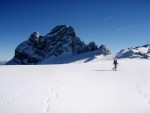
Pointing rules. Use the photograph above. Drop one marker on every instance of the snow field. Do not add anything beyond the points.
(76, 88)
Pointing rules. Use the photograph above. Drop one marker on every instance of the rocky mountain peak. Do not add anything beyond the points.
(34, 38)
(61, 30)
(60, 42)
(104, 50)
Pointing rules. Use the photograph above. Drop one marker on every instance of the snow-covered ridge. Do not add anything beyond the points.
(58, 43)
(137, 52)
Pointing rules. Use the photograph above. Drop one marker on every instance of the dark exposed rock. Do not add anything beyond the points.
(62, 40)
(104, 50)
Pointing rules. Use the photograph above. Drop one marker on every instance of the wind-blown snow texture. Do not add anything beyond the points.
(76, 88)
(60, 42)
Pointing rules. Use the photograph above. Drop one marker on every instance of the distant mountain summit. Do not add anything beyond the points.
(137, 52)
(61, 42)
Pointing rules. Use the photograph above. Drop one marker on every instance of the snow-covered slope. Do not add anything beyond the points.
(137, 52)
(87, 57)
(76, 88)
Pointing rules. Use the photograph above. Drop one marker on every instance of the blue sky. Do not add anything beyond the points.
(118, 24)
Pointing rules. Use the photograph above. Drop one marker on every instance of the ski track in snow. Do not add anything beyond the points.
(52, 94)
(15, 97)
(139, 88)
(143, 93)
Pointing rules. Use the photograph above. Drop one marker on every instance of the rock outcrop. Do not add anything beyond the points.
(61, 41)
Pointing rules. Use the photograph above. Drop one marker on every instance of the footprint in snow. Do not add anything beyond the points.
(55, 95)
(148, 102)
(47, 100)
(8, 102)
(140, 91)
(137, 87)
(145, 95)
(4, 103)
(47, 107)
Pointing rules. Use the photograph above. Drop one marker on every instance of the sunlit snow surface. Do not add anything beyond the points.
(76, 88)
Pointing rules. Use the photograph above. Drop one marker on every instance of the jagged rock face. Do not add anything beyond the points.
(34, 38)
(28, 52)
(104, 50)
(92, 46)
(62, 40)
